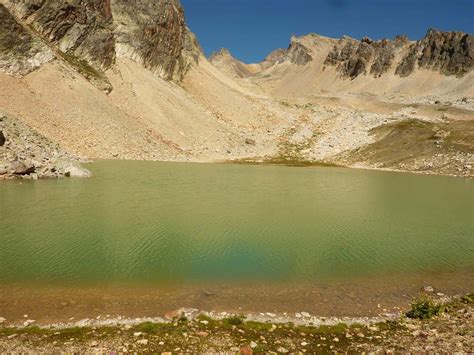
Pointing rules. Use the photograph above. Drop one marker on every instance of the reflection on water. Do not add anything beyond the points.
(143, 222)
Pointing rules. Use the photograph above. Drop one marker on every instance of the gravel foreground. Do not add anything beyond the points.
(191, 331)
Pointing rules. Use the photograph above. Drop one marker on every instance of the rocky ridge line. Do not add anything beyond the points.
(451, 53)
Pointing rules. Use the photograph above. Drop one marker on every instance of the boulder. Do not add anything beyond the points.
(22, 168)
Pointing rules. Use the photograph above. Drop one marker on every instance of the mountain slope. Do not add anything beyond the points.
(127, 80)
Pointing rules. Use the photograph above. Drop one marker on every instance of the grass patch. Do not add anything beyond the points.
(424, 307)
(234, 320)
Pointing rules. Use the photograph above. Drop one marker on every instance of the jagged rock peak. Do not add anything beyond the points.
(451, 53)
(298, 52)
(152, 33)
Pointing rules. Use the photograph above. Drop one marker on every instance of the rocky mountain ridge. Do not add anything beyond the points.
(450, 53)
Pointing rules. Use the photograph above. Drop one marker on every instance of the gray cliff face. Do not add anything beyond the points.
(91, 35)
(154, 34)
(451, 53)
(20, 52)
(83, 29)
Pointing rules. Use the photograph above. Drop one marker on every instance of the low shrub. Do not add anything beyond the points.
(424, 307)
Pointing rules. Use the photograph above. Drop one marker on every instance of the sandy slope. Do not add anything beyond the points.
(276, 111)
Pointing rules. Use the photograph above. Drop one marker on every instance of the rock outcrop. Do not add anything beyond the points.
(353, 58)
(20, 51)
(26, 154)
(451, 53)
(296, 53)
(90, 35)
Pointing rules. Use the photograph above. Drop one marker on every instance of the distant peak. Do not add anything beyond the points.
(223, 52)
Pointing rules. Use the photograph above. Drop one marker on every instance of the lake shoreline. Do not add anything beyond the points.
(191, 330)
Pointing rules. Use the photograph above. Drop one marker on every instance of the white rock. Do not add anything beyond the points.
(281, 349)
(94, 343)
(137, 334)
(204, 322)
(428, 289)
(2, 320)
(253, 344)
(28, 322)
(142, 341)
(305, 314)
(304, 343)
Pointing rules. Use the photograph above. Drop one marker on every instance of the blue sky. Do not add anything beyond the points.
(251, 29)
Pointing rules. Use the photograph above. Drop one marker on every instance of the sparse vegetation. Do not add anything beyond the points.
(425, 307)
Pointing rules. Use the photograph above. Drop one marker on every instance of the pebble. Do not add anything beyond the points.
(304, 343)
(12, 336)
(2, 320)
(305, 314)
(336, 340)
(94, 343)
(428, 289)
(253, 344)
(142, 341)
(137, 334)
(283, 350)
(28, 322)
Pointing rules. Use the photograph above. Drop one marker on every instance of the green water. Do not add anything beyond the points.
(158, 222)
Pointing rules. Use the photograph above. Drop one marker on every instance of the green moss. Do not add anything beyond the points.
(234, 320)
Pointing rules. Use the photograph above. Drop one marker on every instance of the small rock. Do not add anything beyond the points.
(28, 322)
(305, 314)
(428, 289)
(2, 320)
(246, 350)
(253, 344)
(440, 294)
(304, 343)
(203, 334)
(142, 341)
(204, 322)
(137, 334)
(250, 141)
(273, 328)
(94, 343)
(12, 336)
(281, 349)
(336, 340)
